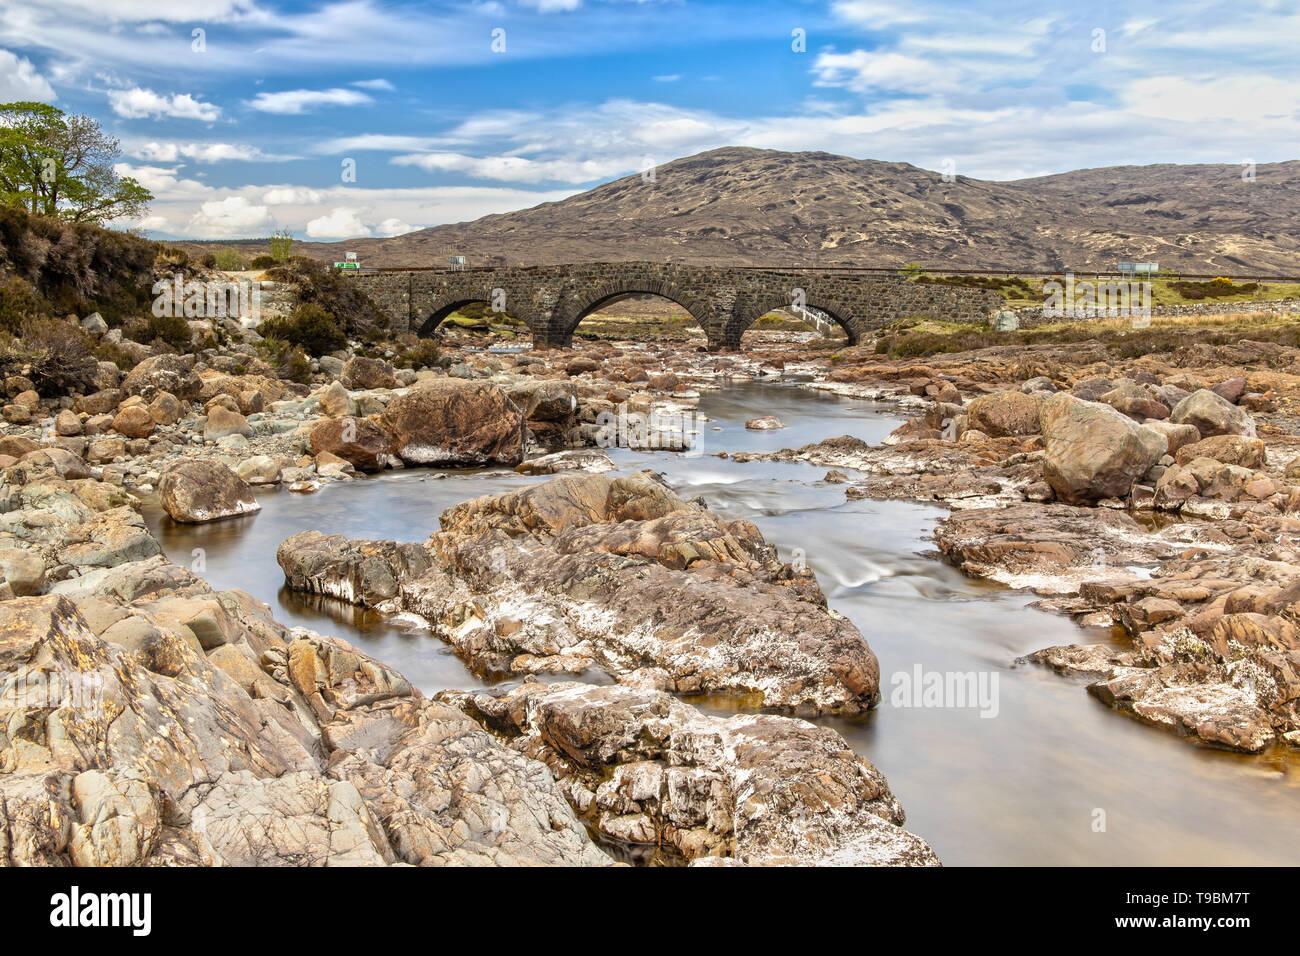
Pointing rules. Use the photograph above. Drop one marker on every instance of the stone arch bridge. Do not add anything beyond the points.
(724, 300)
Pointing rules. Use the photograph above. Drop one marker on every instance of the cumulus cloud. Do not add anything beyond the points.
(294, 102)
(231, 218)
(292, 195)
(342, 223)
(139, 103)
(393, 227)
(20, 81)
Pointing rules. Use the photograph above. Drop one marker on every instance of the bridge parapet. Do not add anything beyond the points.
(725, 301)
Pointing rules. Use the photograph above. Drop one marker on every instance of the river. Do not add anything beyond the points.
(1048, 776)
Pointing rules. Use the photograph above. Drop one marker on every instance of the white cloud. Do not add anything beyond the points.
(552, 6)
(150, 10)
(872, 14)
(156, 179)
(375, 84)
(342, 223)
(865, 72)
(518, 169)
(381, 142)
(138, 103)
(231, 218)
(1241, 99)
(393, 227)
(159, 152)
(293, 196)
(20, 81)
(293, 102)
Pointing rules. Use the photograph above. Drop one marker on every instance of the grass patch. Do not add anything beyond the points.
(920, 338)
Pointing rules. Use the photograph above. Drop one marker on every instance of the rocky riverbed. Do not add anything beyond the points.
(1157, 495)
(150, 719)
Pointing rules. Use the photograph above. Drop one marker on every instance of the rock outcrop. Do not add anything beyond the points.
(453, 422)
(647, 770)
(198, 490)
(143, 740)
(617, 574)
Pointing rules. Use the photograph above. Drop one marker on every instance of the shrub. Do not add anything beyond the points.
(310, 327)
(18, 302)
(352, 309)
(289, 361)
(229, 260)
(263, 262)
(422, 354)
(55, 354)
(76, 267)
(172, 330)
(1215, 288)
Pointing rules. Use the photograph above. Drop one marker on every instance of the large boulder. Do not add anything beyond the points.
(362, 373)
(356, 440)
(1176, 436)
(550, 409)
(1229, 449)
(335, 402)
(134, 421)
(366, 573)
(1004, 413)
(1135, 402)
(1212, 414)
(196, 491)
(1093, 451)
(455, 422)
(164, 373)
(222, 423)
(101, 402)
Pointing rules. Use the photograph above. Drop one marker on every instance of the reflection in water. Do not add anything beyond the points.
(1022, 787)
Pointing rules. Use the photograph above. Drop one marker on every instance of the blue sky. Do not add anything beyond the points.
(450, 111)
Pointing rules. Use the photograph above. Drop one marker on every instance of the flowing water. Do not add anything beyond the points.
(1044, 774)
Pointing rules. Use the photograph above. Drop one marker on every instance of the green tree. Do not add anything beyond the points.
(54, 164)
(281, 243)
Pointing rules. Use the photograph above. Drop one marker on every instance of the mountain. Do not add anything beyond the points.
(766, 207)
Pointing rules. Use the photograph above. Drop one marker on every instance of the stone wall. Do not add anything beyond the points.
(552, 300)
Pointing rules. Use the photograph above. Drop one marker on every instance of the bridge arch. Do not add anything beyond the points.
(437, 313)
(593, 299)
(844, 314)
